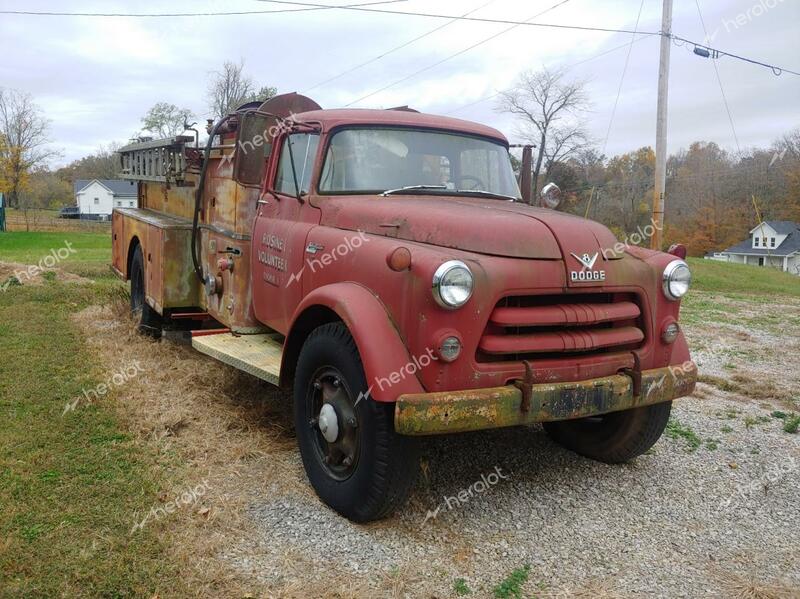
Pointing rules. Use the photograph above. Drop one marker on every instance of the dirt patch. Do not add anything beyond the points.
(14, 273)
(748, 348)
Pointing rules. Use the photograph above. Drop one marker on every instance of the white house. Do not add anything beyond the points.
(774, 243)
(97, 198)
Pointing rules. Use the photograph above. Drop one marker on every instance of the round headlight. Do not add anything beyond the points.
(452, 284)
(677, 279)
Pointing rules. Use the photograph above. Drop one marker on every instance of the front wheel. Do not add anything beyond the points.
(612, 438)
(354, 459)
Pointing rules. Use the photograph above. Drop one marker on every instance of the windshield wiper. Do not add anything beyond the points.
(490, 194)
(389, 192)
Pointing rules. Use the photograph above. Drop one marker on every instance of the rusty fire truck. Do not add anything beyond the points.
(385, 266)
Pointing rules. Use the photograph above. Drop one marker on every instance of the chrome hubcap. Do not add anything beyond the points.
(329, 423)
(335, 422)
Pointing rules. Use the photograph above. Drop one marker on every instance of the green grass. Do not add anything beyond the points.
(792, 423)
(512, 585)
(676, 430)
(722, 277)
(70, 486)
(461, 587)
(91, 258)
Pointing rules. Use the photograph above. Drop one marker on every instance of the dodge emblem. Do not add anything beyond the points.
(586, 273)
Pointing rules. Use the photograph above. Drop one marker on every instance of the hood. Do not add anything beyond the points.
(484, 226)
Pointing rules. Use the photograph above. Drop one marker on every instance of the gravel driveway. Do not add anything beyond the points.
(679, 522)
(711, 511)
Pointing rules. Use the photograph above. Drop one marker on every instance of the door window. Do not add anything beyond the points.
(304, 150)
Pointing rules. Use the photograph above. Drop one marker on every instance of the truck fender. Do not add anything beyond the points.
(388, 368)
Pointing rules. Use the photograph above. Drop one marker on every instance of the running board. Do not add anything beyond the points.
(259, 355)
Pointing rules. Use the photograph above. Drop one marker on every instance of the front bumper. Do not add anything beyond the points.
(525, 403)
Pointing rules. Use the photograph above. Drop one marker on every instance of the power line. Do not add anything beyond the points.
(459, 53)
(616, 100)
(460, 18)
(308, 6)
(192, 14)
(719, 81)
(713, 51)
(716, 53)
(568, 67)
(622, 79)
(396, 48)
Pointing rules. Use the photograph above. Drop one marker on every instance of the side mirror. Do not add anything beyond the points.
(253, 147)
(551, 196)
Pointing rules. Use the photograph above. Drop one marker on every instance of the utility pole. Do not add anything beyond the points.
(661, 128)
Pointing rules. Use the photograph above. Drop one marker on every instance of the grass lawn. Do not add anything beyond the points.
(70, 485)
(91, 258)
(721, 277)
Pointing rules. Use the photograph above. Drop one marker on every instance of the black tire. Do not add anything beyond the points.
(150, 321)
(383, 464)
(612, 438)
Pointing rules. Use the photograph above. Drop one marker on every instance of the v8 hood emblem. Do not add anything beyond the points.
(587, 260)
(586, 274)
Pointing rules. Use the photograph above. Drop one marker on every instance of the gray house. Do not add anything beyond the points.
(774, 243)
(97, 198)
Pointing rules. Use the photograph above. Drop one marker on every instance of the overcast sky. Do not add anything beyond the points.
(96, 77)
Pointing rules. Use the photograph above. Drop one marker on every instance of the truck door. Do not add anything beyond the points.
(280, 231)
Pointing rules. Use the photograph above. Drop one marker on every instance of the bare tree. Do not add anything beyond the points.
(166, 120)
(25, 137)
(547, 107)
(103, 164)
(230, 88)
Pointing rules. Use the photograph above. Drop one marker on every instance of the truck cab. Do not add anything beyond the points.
(382, 266)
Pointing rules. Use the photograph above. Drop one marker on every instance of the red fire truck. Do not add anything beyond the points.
(384, 266)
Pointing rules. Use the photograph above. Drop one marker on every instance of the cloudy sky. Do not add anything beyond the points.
(96, 77)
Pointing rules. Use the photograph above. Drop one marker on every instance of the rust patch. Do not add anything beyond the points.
(477, 409)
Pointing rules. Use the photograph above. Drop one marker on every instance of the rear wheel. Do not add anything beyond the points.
(612, 438)
(150, 321)
(355, 461)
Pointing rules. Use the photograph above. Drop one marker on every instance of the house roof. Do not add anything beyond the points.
(119, 187)
(781, 227)
(789, 246)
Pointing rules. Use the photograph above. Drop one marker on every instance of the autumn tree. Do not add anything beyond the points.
(229, 88)
(548, 108)
(629, 183)
(25, 137)
(103, 164)
(166, 120)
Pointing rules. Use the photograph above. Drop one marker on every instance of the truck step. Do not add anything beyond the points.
(259, 355)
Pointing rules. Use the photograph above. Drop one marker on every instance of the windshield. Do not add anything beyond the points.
(380, 160)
